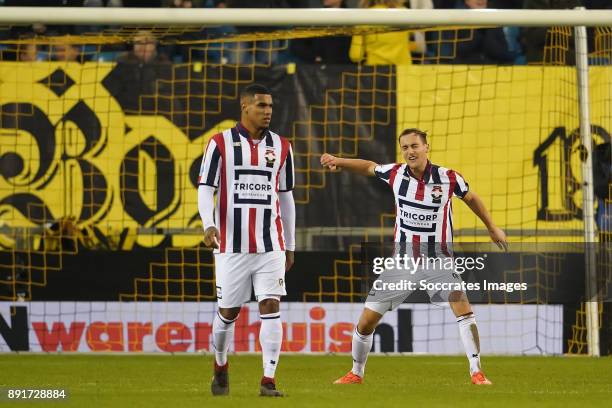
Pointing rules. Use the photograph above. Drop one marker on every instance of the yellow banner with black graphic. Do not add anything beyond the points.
(513, 133)
(69, 150)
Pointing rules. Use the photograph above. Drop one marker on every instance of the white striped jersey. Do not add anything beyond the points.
(423, 206)
(248, 177)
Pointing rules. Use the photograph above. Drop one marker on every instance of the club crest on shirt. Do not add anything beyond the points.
(436, 194)
(270, 156)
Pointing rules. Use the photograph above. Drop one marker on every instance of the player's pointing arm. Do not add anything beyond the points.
(363, 167)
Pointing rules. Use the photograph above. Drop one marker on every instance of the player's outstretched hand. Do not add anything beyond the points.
(211, 237)
(499, 237)
(289, 259)
(329, 161)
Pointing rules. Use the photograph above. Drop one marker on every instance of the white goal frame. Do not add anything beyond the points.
(578, 18)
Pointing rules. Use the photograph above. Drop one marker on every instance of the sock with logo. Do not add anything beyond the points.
(470, 339)
(223, 332)
(361, 347)
(270, 338)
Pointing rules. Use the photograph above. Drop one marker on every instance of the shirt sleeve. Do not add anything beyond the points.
(211, 165)
(383, 171)
(287, 207)
(461, 186)
(206, 204)
(286, 180)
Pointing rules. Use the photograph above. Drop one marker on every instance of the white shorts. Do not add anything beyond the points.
(382, 301)
(237, 273)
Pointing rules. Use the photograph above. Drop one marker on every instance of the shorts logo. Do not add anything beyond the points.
(281, 282)
(218, 292)
(436, 194)
(270, 156)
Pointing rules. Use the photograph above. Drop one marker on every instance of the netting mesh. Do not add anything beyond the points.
(87, 142)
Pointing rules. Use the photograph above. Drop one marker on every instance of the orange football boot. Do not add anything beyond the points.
(349, 378)
(480, 379)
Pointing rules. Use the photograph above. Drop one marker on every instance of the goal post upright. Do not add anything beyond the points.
(582, 83)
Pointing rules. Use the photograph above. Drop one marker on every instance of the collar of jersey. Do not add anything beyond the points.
(244, 132)
(426, 173)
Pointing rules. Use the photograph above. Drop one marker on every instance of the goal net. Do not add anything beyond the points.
(103, 131)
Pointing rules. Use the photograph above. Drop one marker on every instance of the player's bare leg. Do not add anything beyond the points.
(223, 332)
(362, 343)
(270, 338)
(468, 330)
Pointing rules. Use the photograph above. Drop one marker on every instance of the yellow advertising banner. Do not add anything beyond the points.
(513, 133)
(69, 150)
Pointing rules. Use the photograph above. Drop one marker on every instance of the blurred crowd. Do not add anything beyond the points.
(500, 45)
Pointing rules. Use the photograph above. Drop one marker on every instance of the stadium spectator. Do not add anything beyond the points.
(144, 50)
(602, 177)
(187, 53)
(381, 48)
(27, 52)
(444, 4)
(506, 4)
(598, 4)
(182, 4)
(66, 52)
(251, 52)
(324, 50)
(142, 3)
(103, 3)
(542, 46)
(417, 42)
(43, 3)
(137, 74)
(483, 45)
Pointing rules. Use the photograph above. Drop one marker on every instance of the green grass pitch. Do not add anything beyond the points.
(391, 381)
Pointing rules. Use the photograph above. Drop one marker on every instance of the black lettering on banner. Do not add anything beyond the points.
(30, 119)
(386, 335)
(16, 335)
(130, 171)
(404, 330)
(95, 187)
(194, 171)
(14, 168)
(551, 171)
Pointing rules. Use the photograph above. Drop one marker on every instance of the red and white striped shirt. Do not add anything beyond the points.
(248, 177)
(424, 211)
